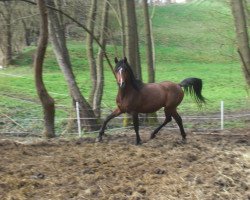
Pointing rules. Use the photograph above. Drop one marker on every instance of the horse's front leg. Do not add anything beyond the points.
(114, 114)
(136, 127)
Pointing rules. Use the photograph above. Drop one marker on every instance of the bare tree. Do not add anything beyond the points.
(242, 36)
(6, 14)
(81, 25)
(60, 49)
(132, 40)
(17, 28)
(46, 100)
(90, 49)
(29, 23)
(123, 35)
(152, 117)
(148, 40)
(99, 67)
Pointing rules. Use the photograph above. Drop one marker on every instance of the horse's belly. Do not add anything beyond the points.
(150, 107)
(151, 101)
(149, 110)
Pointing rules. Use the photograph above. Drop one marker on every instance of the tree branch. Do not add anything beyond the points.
(80, 25)
(243, 62)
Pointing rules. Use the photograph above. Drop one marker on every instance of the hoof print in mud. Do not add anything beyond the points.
(159, 171)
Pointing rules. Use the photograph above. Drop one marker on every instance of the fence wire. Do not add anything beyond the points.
(23, 115)
(21, 126)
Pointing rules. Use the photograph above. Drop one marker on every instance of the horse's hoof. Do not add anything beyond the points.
(98, 139)
(152, 136)
(138, 143)
(184, 141)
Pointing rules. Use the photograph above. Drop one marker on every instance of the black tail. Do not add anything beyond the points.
(193, 86)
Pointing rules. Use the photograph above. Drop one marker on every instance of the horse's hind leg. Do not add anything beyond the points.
(178, 120)
(167, 120)
(114, 114)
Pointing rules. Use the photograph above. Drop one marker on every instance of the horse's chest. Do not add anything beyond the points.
(126, 103)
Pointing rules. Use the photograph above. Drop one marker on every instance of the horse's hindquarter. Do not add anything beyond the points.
(174, 93)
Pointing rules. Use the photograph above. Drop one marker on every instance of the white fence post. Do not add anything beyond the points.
(222, 115)
(78, 119)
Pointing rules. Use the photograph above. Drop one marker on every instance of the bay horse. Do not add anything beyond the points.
(136, 97)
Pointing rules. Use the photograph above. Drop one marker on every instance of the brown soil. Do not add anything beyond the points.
(210, 166)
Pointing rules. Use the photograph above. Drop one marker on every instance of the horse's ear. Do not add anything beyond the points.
(116, 60)
(125, 59)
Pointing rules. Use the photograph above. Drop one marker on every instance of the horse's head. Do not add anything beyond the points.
(124, 75)
(121, 72)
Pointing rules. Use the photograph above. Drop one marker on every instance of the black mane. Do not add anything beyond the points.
(137, 84)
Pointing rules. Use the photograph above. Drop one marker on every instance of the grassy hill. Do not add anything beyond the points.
(191, 40)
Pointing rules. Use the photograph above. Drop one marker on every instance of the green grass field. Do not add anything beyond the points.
(191, 40)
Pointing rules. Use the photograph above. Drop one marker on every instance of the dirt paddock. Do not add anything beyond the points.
(210, 166)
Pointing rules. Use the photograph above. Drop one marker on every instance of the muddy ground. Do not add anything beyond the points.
(210, 166)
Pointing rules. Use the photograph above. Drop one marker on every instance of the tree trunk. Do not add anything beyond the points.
(27, 34)
(99, 70)
(242, 36)
(7, 47)
(151, 118)
(123, 35)
(9, 43)
(90, 50)
(149, 52)
(47, 101)
(72, 121)
(132, 41)
(60, 49)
